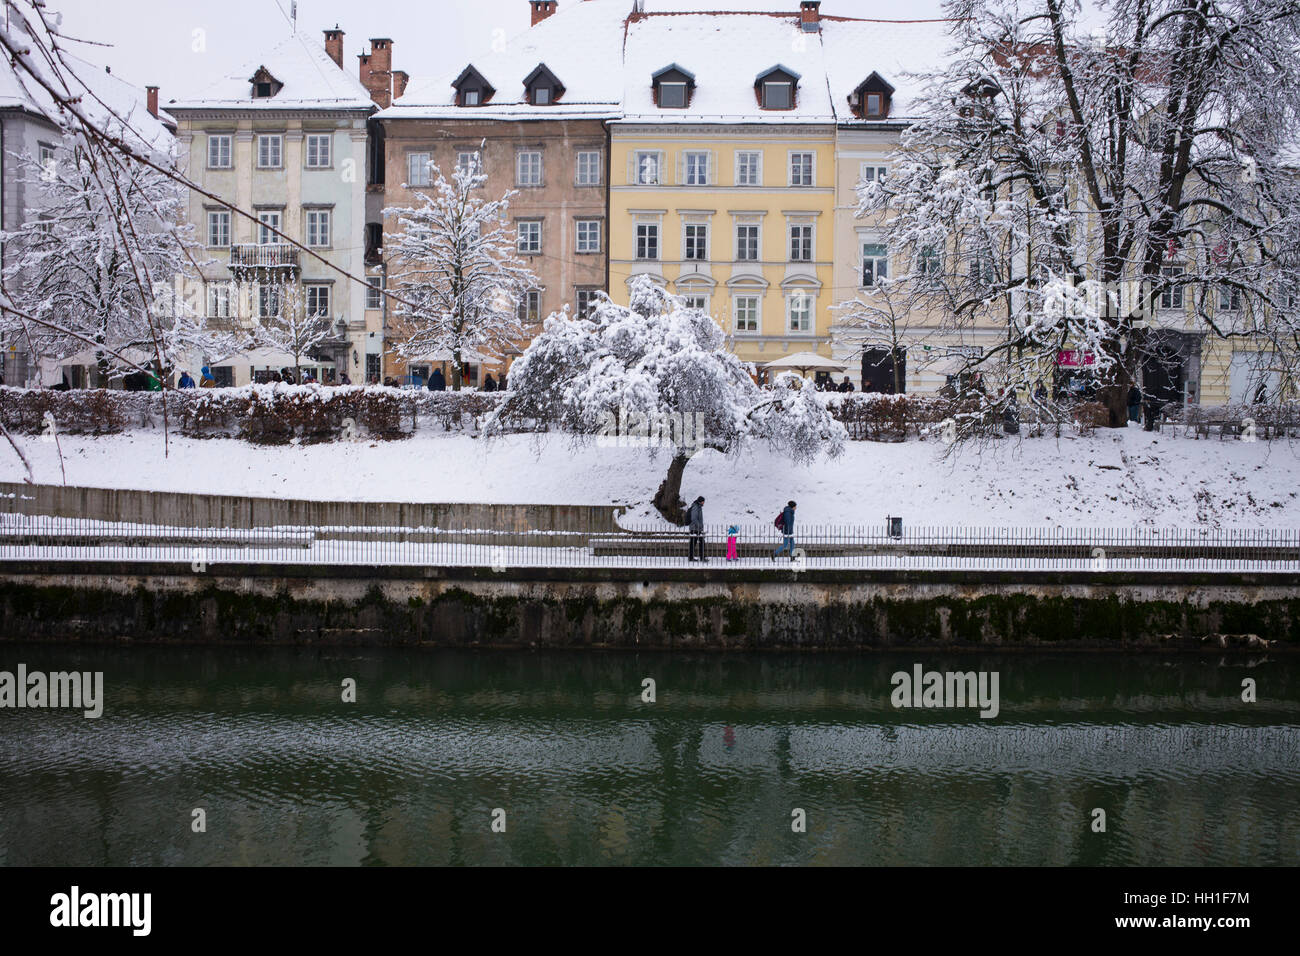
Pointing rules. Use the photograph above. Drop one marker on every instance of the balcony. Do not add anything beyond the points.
(269, 257)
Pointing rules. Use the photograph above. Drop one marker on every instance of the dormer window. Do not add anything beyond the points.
(871, 100)
(673, 87)
(777, 88)
(542, 87)
(472, 88)
(264, 84)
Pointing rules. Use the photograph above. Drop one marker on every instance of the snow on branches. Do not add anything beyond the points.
(658, 361)
(454, 258)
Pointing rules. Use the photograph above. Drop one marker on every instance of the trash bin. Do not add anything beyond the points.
(1011, 420)
(895, 527)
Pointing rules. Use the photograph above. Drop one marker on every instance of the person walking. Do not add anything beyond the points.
(186, 381)
(785, 521)
(437, 381)
(695, 515)
(732, 532)
(1134, 403)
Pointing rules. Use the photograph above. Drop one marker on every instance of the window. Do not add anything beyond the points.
(470, 162)
(874, 105)
(696, 246)
(45, 156)
(223, 376)
(588, 235)
(418, 172)
(270, 150)
(530, 237)
(262, 91)
(219, 151)
(318, 301)
(219, 300)
(470, 98)
(588, 168)
(799, 308)
(584, 301)
(1172, 296)
(698, 302)
(801, 243)
(219, 228)
(374, 293)
(1229, 298)
(264, 234)
(318, 150)
(542, 96)
(318, 227)
(646, 169)
(981, 270)
(530, 307)
(875, 264)
(696, 168)
(746, 310)
(777, 95)
(749, 168)
(529, 168)
(871, 173)
(801, 169)
(672, 96)
(930, 263)
(747, 243)
(268, 301)
(647, 240)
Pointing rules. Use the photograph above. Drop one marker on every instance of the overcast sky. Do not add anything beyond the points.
(152, 42)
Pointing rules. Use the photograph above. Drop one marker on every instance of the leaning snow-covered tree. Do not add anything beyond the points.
(291, 321)
(454, 260)
(90, 281)
(660, 371)
(1149, 163)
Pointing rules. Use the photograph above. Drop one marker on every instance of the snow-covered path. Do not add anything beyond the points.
(1108, 479)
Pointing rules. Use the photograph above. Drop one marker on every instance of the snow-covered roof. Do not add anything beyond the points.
(894, 49)
(108, 100)
(727, 52)
(311, 81)
(581, 44)
(607, 57)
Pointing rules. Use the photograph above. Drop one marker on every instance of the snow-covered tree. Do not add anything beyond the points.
(454, 262)
(660, 369)
(881, 317)
(1153, 155)
(92, 282)
(290, 323)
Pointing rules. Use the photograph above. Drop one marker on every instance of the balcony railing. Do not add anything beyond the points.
(267, 256)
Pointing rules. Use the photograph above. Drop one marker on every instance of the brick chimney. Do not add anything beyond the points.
(334, 45)
(542, 9)
(377, 72)
(400, 79)
(151, 92)
(810, 15)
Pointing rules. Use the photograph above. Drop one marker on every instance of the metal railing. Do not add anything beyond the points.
(275, 255)
(822, 547)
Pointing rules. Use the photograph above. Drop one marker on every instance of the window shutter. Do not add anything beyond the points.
(713, 167)
(681, 168)
(631, 168)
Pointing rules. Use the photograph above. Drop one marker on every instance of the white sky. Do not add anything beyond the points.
(151, 42)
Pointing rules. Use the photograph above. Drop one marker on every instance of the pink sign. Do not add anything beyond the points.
(1073, 358)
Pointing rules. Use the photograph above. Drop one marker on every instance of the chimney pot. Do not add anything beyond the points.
(334, 45)
(152, 100)
(542, 9)
(810, 15)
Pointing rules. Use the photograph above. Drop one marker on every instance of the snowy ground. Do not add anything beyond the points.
(1124, 479)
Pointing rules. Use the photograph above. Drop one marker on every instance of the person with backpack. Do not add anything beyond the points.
(785, 522)
(695, 515)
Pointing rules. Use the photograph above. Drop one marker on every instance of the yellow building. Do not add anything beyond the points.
(722, 183)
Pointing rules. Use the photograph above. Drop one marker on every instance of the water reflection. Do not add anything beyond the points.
(588, 773)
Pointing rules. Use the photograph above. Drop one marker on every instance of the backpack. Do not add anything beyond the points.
(780, 521)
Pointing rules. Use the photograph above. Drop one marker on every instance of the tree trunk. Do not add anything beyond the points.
(668, 499)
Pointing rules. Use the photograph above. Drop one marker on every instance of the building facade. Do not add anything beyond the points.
(288, 139)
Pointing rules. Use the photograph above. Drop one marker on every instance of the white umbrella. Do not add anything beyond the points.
(803, 362)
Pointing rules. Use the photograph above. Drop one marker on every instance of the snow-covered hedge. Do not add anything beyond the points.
(264, 414)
